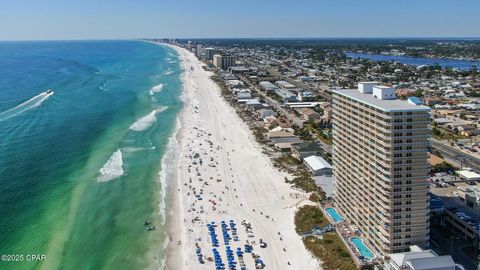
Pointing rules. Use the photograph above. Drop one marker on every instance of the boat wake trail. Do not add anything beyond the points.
(113, 168)
(145, 122)
(156, 89)
(25, 106)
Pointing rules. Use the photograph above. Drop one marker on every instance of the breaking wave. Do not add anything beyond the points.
(136, 149)
(145, 122)
(156, 89)
(113, 168)
(169, 72)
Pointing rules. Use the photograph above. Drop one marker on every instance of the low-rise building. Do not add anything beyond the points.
(442, 121)
(468, 175)
(232, 83)
(285, 95)
(274, 122)
(306, 149)
(283, 140)
(268, 86)
(317, 165)
(254, 105)
(264, 113)
(308, 114)
(306, 96)
(453, 94)
(468, 130)
(472, 198)
(285, 85)
(244, 94)
(419, 259)
(238, 69)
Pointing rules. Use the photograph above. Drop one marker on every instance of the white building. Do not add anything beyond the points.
(285, 95)
(267, 86)
(419, 259)
(317, 165)
(244, 95)
(285, 85)
(468, 175)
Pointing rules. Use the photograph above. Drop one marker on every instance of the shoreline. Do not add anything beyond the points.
(168, 178)
(248, 187)
(173, 254)
(173, 214)
(168, 202)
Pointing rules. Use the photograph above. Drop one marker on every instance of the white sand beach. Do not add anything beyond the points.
(223, 175)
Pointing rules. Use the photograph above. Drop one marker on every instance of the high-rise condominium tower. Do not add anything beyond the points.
(380, 164)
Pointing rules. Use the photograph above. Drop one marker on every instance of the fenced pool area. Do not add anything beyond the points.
(334, 215)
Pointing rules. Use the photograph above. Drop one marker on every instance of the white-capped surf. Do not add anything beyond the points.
(156, 89)
(145, 122)
(113, 168)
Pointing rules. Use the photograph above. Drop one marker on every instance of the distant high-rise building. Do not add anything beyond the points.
(380, 147)
(223, 61)
(199, 51)
(209, 52)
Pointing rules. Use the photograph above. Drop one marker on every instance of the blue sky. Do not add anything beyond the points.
(112, 19)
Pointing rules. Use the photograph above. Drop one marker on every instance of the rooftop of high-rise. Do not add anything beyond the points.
(380, 97)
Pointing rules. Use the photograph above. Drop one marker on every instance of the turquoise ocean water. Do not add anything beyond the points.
(81, 170)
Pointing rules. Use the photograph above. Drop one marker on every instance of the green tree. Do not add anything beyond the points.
(418, 93)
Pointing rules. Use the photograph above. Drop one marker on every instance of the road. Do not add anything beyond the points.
(457, 155)
(323, 91)
(290, 116)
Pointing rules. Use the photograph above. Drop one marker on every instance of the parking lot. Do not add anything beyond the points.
(449, 195)
(459, 233)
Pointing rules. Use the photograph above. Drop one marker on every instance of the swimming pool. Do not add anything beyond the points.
(332, 212)
(362, 248)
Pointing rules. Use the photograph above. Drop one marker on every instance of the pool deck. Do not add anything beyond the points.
(331, 218)
(343, 229)
(366, 247)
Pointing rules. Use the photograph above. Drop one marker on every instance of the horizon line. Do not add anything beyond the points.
(252, 38)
